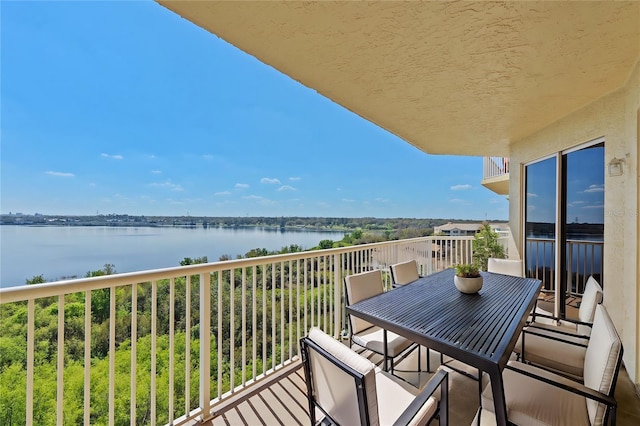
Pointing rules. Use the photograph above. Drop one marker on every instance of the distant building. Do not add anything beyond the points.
(467, 229)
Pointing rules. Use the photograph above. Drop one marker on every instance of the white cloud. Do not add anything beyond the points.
(113, 157)
(382, 200)
(169, 185)
(156, 172)
(348, 200)
(223, 193)
(260, 200)
(594, 207)
(595, 188)
(461, 187)
(60, 174)
(456, 200)
(241, 185)
(531, 194)
(295, 178)
(286, 188)
(270, 181)
(208, 157)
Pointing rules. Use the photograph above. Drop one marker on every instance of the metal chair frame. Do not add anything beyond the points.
(440, 379)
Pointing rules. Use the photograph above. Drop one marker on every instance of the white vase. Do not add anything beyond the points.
(468, 285)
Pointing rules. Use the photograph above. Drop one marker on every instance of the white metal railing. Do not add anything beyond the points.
(583, 259)
(494, 167)
(168, 345)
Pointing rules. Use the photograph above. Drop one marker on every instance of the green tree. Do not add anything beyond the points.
(486, 245)
(189, 261)
(37, 279)
(325, 244)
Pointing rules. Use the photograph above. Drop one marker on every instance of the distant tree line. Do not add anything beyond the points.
(391, 228)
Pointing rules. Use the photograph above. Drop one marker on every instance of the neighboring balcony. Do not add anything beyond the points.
(495, 175)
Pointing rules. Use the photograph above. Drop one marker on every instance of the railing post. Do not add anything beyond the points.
(30, 358)
(205, 346)
(337, 300)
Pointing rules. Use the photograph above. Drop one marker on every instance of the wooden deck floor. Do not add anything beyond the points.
(283, 401)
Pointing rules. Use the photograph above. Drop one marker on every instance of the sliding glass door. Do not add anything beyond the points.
(540, 221)
(564, 222)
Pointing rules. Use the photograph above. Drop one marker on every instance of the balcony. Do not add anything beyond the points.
(495, 174)
(179, 342)
(212, 342)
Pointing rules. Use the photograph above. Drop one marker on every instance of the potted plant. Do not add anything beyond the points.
(468, 279)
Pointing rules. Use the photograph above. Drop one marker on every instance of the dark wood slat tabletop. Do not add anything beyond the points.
(478, 329)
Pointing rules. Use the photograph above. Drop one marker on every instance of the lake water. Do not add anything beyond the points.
(57, 252)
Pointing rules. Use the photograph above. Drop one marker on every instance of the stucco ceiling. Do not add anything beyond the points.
(448, 77)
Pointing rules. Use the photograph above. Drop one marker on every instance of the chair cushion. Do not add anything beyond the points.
(505, 266)
(601, 361)
(372, 339)
(334, 388)
(533, 402)
(405, 272)
(359, 287)
(395, 395)
(561, 325)
(559, 356)
(591, 297)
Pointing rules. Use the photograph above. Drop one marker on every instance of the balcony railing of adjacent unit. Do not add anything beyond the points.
(494, 167)
(584, 258)
(167, 346)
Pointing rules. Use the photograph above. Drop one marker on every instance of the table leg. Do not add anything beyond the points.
(497, 388)
(384, 350)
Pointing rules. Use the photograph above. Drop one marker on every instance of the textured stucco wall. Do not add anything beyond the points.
(615, 118)
(462, 78)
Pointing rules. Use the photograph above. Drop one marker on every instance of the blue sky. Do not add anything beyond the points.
(124, 107)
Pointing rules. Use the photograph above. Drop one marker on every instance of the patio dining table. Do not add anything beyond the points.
(479, 329)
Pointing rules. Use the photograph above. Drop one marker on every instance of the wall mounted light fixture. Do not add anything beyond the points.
(616, 167)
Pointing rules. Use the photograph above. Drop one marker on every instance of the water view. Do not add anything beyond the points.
(56, 252)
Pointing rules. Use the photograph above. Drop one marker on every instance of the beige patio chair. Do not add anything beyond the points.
(344, 388)
(505, 266)
(537, 396)
(363, 286)
(561, 348)
(404, 273)
(591, 297)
